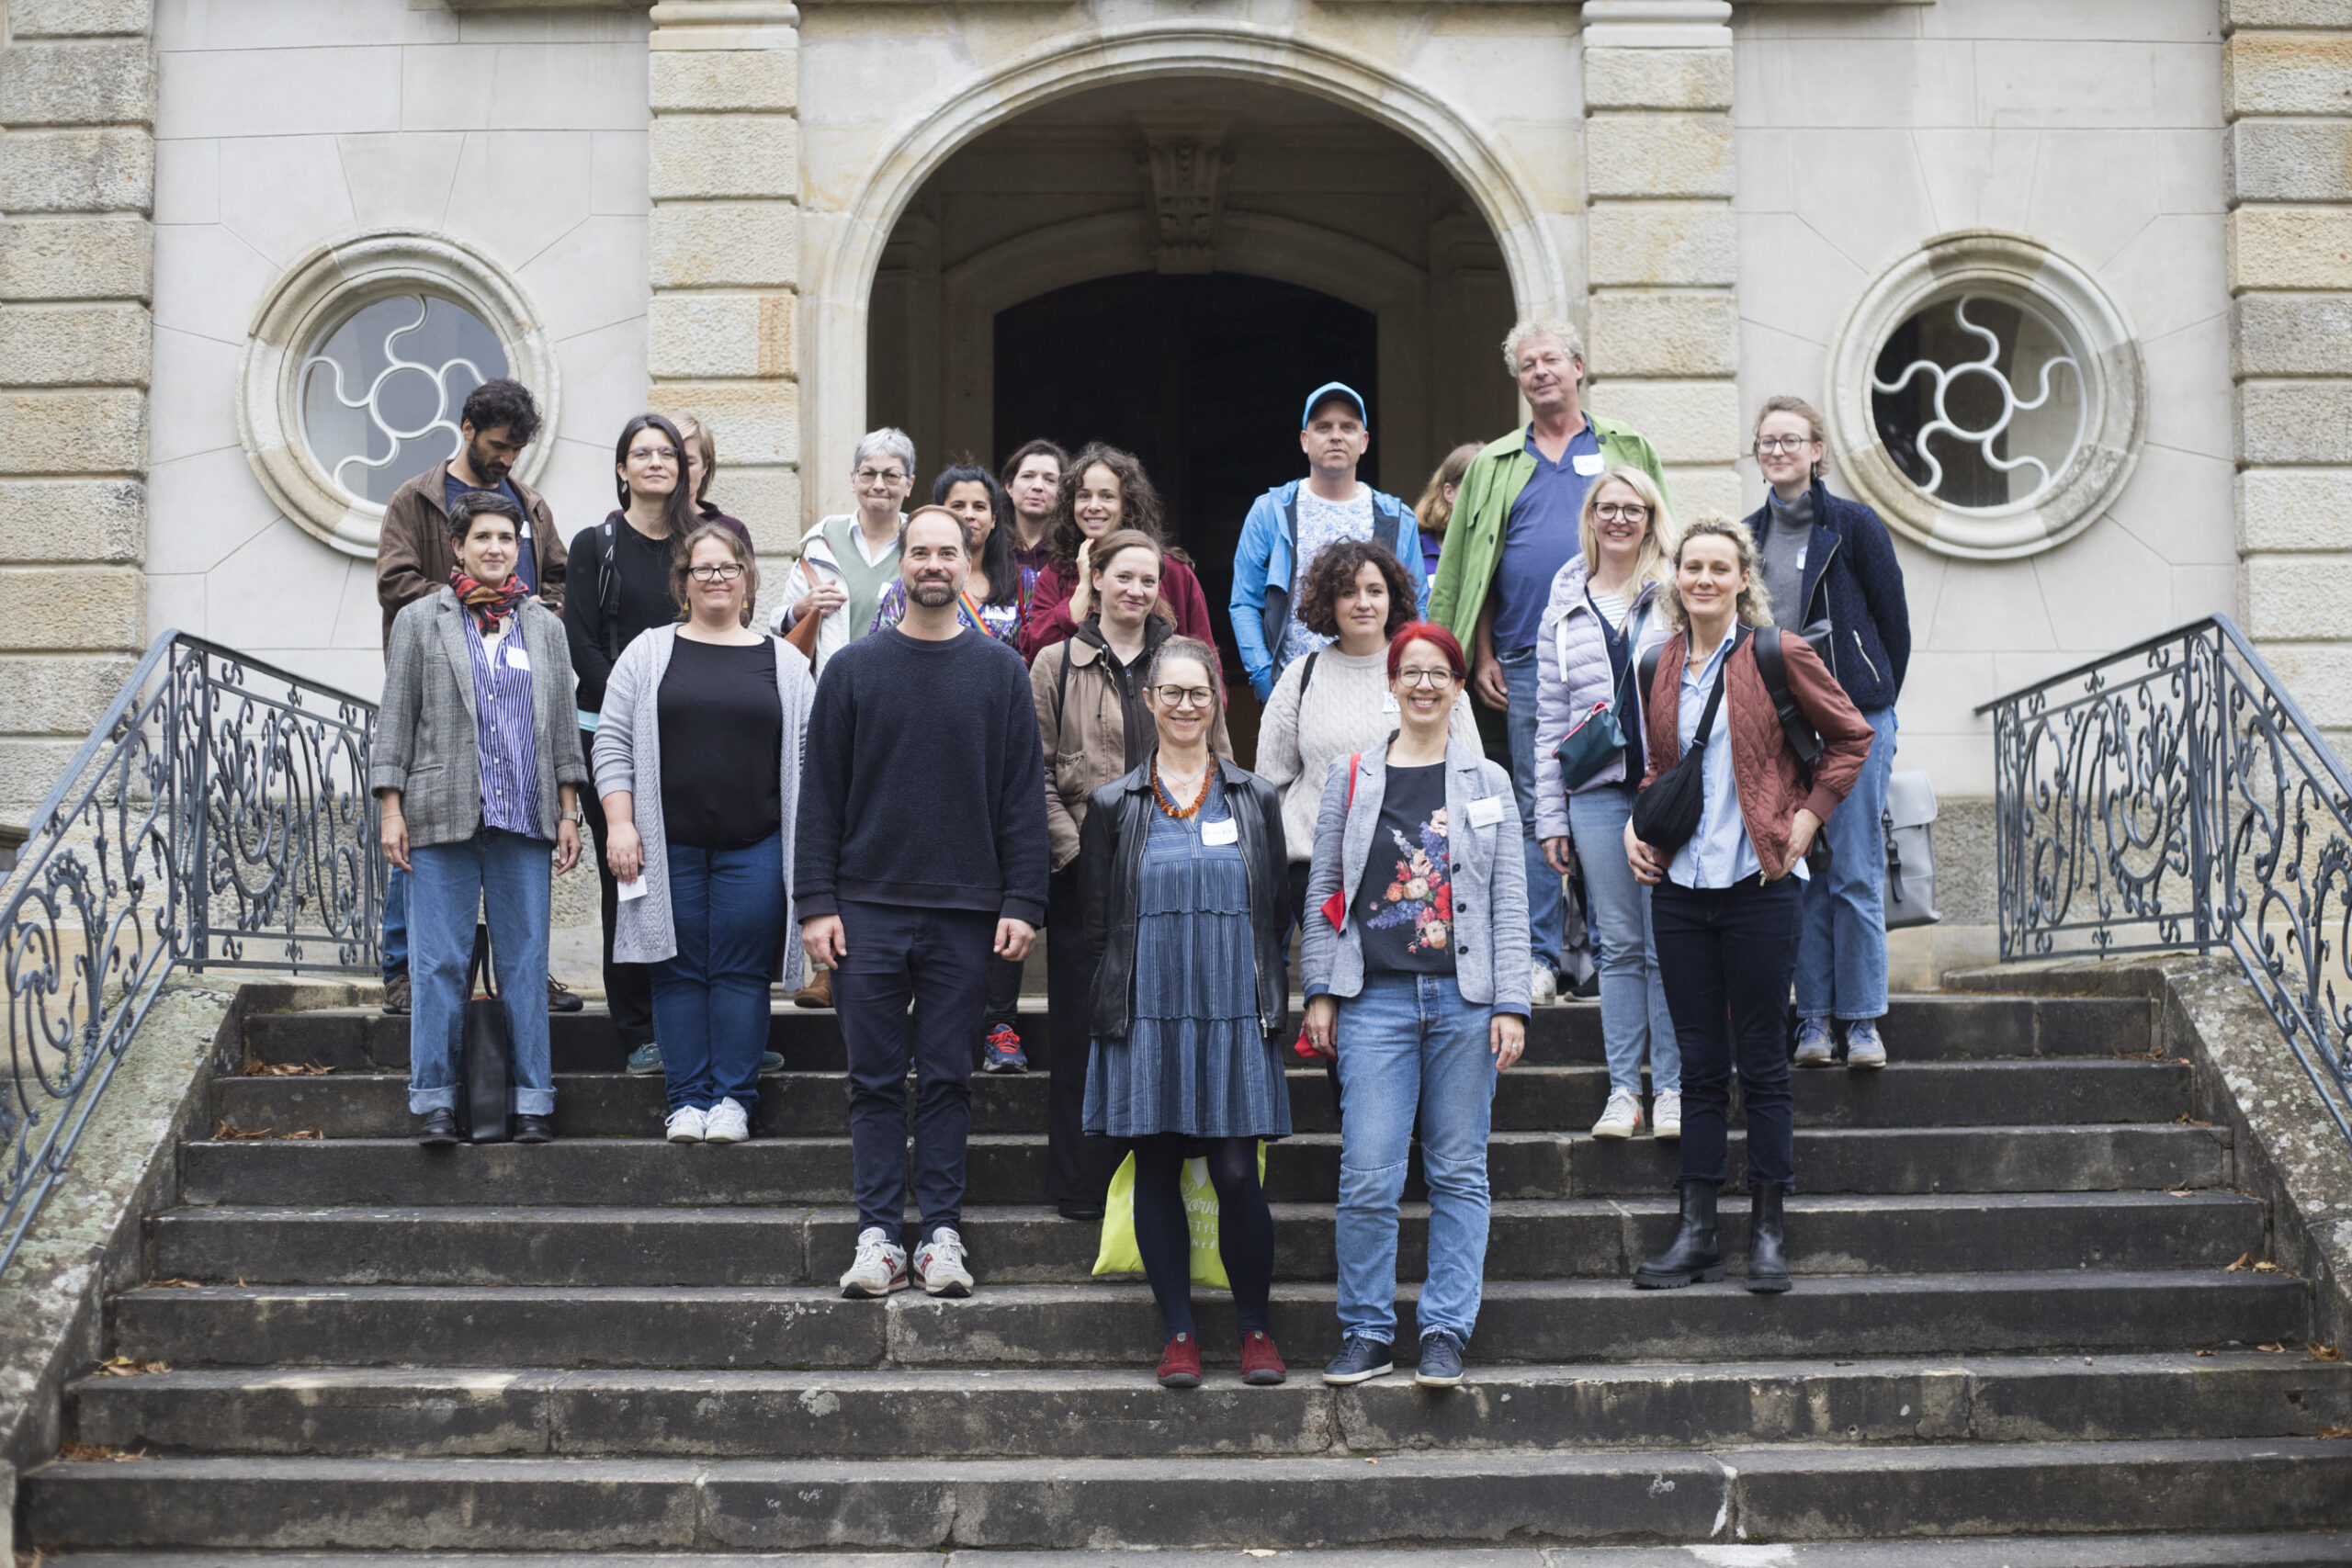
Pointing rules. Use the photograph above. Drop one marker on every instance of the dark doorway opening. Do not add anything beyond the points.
(1202, 377)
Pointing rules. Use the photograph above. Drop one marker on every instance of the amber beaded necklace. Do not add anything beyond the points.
(1168, 802)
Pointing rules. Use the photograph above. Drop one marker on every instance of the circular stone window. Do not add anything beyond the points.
(358, 369)
(1988, 397)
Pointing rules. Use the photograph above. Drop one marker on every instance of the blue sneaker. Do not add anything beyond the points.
(1815, 1046)
(1361, 1358)
(1002, 1052)
(646, 1060)
(1440, 1359)
(1865, 1049)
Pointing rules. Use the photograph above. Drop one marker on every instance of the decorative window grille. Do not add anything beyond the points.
(381, 395)
(1979, 401)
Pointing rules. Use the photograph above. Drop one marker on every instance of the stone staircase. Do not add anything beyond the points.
(2014, 1317)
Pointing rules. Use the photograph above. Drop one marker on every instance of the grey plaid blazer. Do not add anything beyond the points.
(426, 730)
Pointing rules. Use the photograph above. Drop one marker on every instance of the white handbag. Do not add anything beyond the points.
(1909, 823)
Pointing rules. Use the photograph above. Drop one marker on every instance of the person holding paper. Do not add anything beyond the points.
(1181, 861)
(697, 758)
(1413, 980)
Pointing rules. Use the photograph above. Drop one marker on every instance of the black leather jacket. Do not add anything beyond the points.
(1109, 868)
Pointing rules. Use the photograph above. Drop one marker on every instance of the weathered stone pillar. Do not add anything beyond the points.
(725, 246)
(77, 181)
(2287, 92)
(1661, 248)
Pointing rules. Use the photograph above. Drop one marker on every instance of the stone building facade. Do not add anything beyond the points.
(247, 245)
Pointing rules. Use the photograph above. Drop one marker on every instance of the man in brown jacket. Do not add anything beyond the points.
(414, 557)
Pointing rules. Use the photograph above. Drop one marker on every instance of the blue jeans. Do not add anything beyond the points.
(1632, 994)
(1727, 952)
(1409, 1042)
(1841, 963)
(507, 876)
(1547, 909)
(395, 921)
(710, 1000)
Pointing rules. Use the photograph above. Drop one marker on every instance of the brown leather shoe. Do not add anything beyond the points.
(818, 992)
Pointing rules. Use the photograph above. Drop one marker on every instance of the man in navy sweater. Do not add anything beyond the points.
(920, 847)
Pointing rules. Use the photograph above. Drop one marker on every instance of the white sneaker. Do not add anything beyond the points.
(880, 1269)
(1815, 1046)
(685, 1126)
(1542, 986)
(725, 1123)
(1620, 1116)
(1666, 1114)
(939, 1265)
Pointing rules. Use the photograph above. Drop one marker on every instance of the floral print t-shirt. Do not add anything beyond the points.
(1404, 900)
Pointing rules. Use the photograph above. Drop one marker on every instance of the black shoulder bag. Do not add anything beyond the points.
(1667, 813)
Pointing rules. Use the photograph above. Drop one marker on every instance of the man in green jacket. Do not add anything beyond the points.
(1514, 526)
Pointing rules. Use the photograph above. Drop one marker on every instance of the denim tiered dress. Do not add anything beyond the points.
(1194, 1060)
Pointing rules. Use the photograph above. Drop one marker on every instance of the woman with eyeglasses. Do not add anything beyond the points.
(848, 559)
(1096, 726)
(1181, 861)
(1413, 980)
(1105, 491)
(1601, 613)
(991, 601)
(697, 757)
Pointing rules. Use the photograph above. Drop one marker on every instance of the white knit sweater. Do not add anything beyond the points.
(1346, 712)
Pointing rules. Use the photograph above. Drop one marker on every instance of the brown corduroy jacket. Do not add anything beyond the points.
(1771, 789)
(413, 553)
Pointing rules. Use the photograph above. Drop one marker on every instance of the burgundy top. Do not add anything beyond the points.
(1049, 617)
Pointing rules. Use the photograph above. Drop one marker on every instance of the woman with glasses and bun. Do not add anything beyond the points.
(1418, 922)
(1181, 863)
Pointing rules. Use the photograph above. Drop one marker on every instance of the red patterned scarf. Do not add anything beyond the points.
(490, 605)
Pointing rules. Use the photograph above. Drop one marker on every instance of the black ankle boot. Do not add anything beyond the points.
(1693, 1259)
(1767, 1266)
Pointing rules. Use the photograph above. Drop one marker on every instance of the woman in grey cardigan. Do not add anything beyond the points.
(1415, 978)
(476, 769)
(698, 766)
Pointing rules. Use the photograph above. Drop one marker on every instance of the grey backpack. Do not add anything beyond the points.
(1910, 824)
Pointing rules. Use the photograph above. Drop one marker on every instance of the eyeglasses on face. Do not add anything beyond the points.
(881, 476)
(647, 454)
(726, 572)
(1631, 510)
(1782, 442)
(1184, 696)
(1436, 680)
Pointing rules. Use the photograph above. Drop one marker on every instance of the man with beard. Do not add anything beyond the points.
(920, 848)
(414, 557)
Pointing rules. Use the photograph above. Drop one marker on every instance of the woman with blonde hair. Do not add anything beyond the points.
(1435, 509)
(1602, 613)
(1727, 814)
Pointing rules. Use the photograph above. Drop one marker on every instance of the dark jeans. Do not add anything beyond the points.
(1732, 951)
(937, 960)
(710, 1002)
(1078, 1164)
(1004, 993)
(628, 987)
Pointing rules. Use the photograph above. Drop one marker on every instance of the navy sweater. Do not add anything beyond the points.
(925, 781)
(1853, 579)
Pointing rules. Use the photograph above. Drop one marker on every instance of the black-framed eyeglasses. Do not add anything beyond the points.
(1777, 444)
(1631, 510)
(726, 572)
(1184, 696)
(1436, 680)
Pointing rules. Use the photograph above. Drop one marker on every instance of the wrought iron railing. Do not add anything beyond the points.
(217, 817)
(2173, 795)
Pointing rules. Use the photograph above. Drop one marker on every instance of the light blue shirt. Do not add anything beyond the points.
(1718, 854)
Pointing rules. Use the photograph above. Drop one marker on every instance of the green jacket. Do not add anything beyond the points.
(1473, 540)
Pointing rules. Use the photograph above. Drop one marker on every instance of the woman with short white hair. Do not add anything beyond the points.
(849, 559)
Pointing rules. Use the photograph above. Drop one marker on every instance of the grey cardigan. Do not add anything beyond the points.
(1488, 868)
(628, 756)
(426, 742)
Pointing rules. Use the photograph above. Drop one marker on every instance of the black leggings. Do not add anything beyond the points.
(1245, 1227)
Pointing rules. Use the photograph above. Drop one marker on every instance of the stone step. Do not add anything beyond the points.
(1107, 1324)
(1306, 1169)
(1528, 1239)
(1757, 1494)
(1911, 1094)
(1047, 1413)
(1918, 1028)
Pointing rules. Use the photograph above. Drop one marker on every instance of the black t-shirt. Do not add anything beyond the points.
(641, 570)
(722, 745)
(1404, 900)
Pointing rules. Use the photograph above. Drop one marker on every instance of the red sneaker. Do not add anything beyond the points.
(1261, 1363)
(1180, 1364)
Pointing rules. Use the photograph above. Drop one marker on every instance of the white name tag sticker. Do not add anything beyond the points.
(629, 890)
(1589, 463)
(515, 658)
(1486, 811)
(1225, 832)
(1388, 702)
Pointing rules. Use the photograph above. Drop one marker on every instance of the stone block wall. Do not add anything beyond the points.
(77, 184)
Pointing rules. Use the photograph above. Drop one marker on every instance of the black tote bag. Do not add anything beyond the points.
(1667, 813)
(486, 1058)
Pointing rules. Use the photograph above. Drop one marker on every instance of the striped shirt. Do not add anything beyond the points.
(504, 741)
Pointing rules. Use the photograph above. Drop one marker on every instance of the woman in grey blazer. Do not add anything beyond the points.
(476, 770)
(1416, 979)
(698, 767)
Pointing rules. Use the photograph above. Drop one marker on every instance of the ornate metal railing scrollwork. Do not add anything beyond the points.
(2174, 796)
(217, 817)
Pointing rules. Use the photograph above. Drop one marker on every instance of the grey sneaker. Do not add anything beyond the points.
(771, 1064)
(880, 1268)
(1815, 1048)
(1865, 1049)
(1622, 1117)
(939, 1265)
(646, 1060)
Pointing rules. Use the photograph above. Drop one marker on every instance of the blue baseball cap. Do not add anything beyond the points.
(1307, 416)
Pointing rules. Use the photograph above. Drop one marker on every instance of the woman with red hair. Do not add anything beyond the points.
(1415, 979)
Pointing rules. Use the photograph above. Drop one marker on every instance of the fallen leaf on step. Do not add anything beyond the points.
(176, 1284)
(85, 1452)
(2245, 1261)
(2324, 1352)
(2336, 1431)
(2266, 1268)
(127, 1367)
(1257, 1552)
(286, 1070)
(2204, 1352)
(318, 1133)
(229, 1133)
(2274, 1349)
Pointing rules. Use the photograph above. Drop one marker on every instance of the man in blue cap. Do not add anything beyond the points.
(1291, 524)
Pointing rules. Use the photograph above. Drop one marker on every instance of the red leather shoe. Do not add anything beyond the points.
(1180, 1364)
(1261, 1363)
